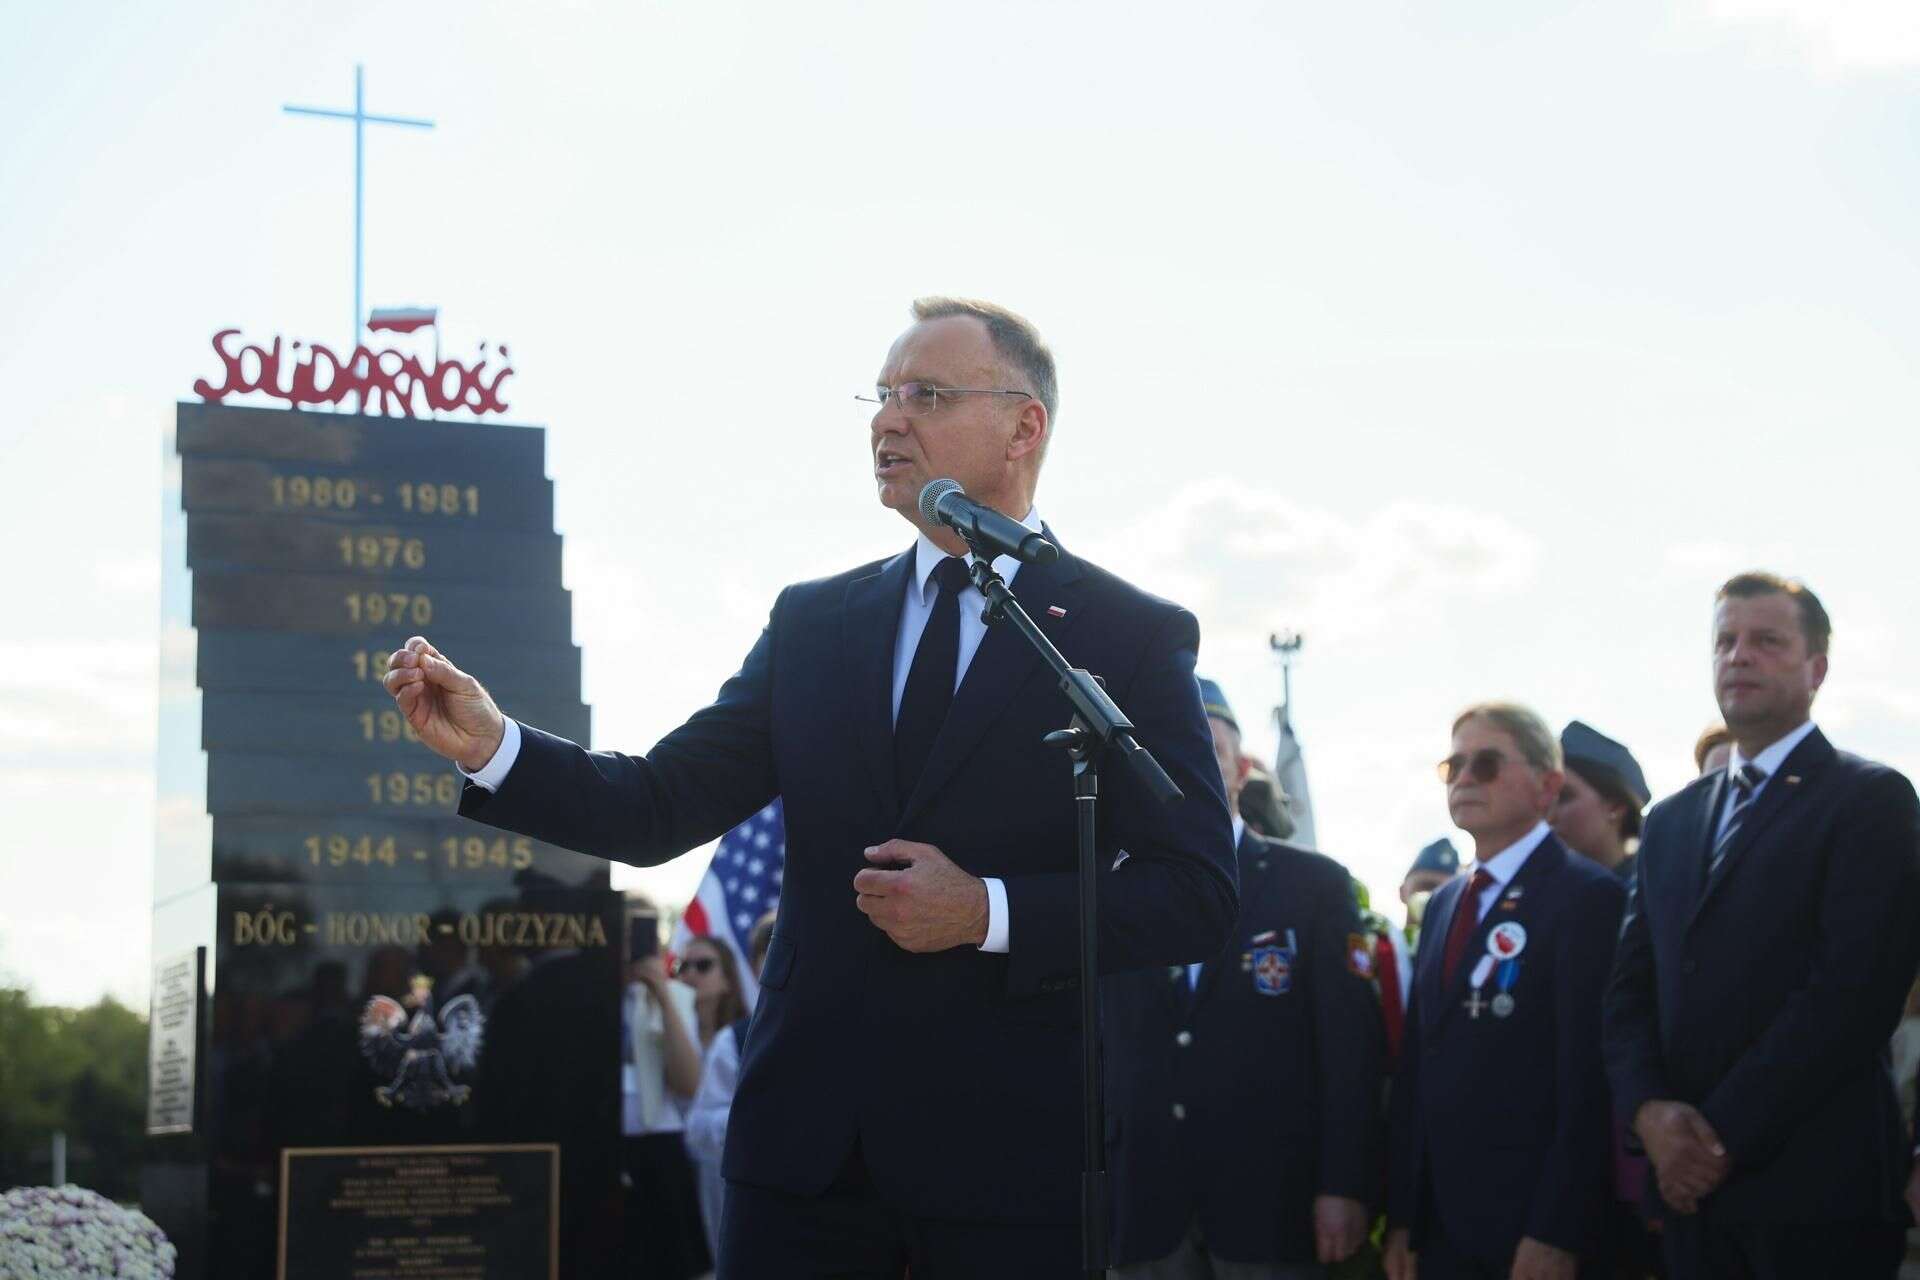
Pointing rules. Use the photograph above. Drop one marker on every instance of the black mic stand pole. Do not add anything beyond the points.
(1097, 724)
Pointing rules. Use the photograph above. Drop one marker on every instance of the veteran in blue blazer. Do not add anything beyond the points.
(1500, 1162)
(1245, 1119)
(1764, 964)
(909, 1096)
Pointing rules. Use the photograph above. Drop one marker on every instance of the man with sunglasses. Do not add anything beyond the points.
(1499, 1165)
(909, 1095)
(1762, 968)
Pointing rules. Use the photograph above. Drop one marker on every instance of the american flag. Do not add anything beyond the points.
(741, 885)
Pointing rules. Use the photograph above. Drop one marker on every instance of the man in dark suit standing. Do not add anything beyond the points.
(1499, 1162)
(1246, 1130)
(1762, 968)
(909, 1094)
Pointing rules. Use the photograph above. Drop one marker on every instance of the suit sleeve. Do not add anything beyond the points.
(1852, 999)
(699, 782)
(1632, 1024)
(1570, 1202)
(1406, 1137)
(1347, 1036)
(1173, 900)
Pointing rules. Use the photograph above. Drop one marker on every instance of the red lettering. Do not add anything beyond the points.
(387, 382)
(490, 401)
(206, 390)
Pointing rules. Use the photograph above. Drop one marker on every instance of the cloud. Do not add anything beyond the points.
(1867, 35)
(1220, 543)
(1690, 559)
(76, 699)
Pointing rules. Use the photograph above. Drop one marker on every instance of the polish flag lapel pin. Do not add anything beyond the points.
(1055, 611)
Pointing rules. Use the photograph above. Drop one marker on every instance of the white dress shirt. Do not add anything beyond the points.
(922, 594)
(1768, 762)
(1505, 865)
(914, 612)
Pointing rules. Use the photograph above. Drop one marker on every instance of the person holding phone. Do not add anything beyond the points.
(659, 1071)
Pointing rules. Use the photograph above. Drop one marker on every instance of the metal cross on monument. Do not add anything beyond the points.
(360, 120)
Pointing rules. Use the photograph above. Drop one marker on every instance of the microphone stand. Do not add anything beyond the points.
(1096, 725)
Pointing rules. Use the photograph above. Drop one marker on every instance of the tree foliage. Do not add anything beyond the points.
(79, 1071)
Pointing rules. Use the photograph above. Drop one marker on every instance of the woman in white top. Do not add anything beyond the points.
(707, 1118)
(659, 1073)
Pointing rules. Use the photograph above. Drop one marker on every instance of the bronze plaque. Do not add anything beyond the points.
(434, 1213)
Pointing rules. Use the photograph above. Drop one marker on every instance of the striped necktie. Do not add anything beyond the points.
(1746, 785)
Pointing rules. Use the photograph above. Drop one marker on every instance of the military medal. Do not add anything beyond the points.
(1478, 979)
(1509, 974)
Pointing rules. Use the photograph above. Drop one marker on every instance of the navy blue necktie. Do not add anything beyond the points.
(929, 691)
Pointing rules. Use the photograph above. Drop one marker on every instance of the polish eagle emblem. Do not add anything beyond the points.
(417, 1053)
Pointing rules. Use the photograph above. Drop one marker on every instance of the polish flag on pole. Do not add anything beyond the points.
(402, 319)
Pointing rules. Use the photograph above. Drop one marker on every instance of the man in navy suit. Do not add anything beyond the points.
(1245, 1110)
(1763, 965)
(1499, 1166)
(909, 1095)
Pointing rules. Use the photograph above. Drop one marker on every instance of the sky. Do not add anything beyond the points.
(1476, 343)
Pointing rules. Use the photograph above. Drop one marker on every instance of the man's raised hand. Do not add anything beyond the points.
(448, 708)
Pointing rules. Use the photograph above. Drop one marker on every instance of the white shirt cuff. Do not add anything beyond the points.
(998, 926)
(494, 772)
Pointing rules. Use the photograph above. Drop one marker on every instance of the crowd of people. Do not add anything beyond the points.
(1337, 1096)
(1332, 1096)
(1625, 1039)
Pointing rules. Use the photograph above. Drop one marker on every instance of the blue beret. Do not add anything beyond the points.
(1216, 703)
(1439, 856)
(1589, 746)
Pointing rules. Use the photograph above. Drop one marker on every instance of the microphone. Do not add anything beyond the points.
(986, 530)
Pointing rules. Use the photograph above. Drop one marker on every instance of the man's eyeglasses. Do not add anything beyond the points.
(1483, 766)
(918, 399)
(701, 965)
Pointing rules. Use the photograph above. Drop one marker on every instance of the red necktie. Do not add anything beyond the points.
(1466, 916)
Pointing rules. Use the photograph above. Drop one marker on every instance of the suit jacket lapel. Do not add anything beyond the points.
(1001, 666)
(1780, 790)
(871, 624)
(1441, 908)
(1692, 872)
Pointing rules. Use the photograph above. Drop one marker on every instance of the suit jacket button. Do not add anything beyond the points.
(1687, 967)
(1184, 1039)
(1179, 1111)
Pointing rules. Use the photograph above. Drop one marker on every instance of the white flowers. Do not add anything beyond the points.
(70, 1233)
